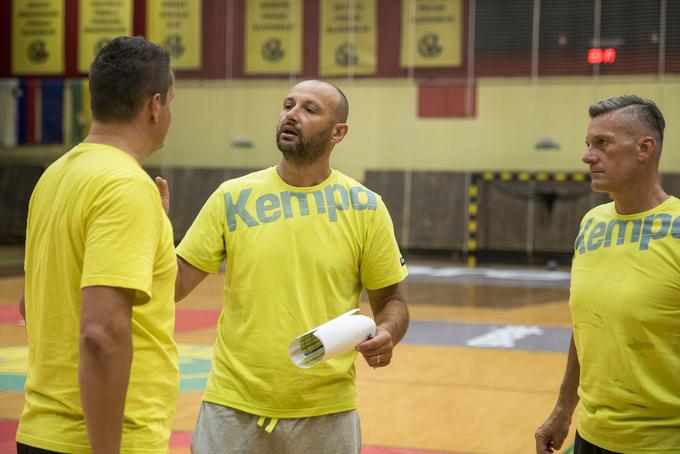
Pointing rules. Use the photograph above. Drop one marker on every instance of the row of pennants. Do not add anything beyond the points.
(41, 112)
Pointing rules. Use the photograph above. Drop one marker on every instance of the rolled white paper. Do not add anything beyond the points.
(331, 339)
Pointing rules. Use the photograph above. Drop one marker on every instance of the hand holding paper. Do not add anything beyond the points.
(378, 349)
(331, 339)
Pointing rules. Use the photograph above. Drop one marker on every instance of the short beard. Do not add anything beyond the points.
(304, 152)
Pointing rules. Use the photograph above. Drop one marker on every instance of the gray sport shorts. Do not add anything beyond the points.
(224, 430)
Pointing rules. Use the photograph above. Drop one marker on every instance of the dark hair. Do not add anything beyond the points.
(125, 73)
(644, 111)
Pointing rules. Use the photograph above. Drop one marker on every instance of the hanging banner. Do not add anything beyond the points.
(37, 37)
(348, 37)
(273, 37)
(431, 33)
(176, 25)
(99, 21)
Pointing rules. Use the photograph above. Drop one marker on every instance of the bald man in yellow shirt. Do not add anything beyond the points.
(300, 240)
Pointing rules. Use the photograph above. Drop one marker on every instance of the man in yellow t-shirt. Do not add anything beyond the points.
(623, 368)
(100, 274)
(300, 241)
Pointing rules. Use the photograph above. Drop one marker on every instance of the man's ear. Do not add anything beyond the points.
(646, 148)
(339, 132)
(155, 106)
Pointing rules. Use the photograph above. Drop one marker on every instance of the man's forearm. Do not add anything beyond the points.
(394, 317)
(568, 398)
(188, 277)
(551, 434)
(104, 377)
(104, 368)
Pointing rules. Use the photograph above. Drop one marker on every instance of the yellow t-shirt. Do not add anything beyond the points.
(625, 304)
(295, 258)
(95, 219)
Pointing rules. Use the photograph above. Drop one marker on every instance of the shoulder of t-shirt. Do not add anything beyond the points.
(249, 180)
(104, 168)
(350, 182)
(674, 204)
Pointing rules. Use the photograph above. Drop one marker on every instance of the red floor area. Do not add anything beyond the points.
(8, 430)
(183, 440)
(191, 319)
(180, 440)
(383, 450)
(10, 314)
(186, 319)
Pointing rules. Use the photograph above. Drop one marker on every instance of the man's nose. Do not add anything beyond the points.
(588, 156)
(291, 114)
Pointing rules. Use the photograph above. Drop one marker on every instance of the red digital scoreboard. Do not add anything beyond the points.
(597, 55)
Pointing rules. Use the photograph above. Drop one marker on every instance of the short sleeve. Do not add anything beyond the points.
(122, 232)
(382, 264)
(203, 245)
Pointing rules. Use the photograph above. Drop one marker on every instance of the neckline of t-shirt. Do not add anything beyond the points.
(95, 145)
(331, 177)
(659, 207)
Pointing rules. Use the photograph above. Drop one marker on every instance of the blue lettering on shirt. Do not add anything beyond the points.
(595, 235)
(239, 210)
(328, 200)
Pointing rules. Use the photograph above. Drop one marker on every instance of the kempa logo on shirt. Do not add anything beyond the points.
(269, 207)
(642, 231)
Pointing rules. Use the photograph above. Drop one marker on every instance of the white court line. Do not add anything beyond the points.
(490, 273)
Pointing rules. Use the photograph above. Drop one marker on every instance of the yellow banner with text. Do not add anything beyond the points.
(348, 37)
(37, 37)
(431, 33)
(176, 25)
(98, 23)
(273, 37)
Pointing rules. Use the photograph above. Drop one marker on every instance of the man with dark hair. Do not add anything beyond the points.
(300, 240)
(100, 273)
(623, 366)
(125, 73)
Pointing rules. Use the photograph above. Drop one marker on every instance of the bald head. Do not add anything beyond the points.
(341, 105)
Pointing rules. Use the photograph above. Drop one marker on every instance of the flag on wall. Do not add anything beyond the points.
(51, 111)
(98, 23)
(26, 112)
(9, 92)
(273, 37)
(176, 25)
(37, 37)
(431, 33)
(348, 37)
(39, 112)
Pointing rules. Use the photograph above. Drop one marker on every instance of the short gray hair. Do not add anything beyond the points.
(644, 110)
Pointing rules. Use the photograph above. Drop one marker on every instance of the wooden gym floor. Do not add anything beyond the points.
(478, 371)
